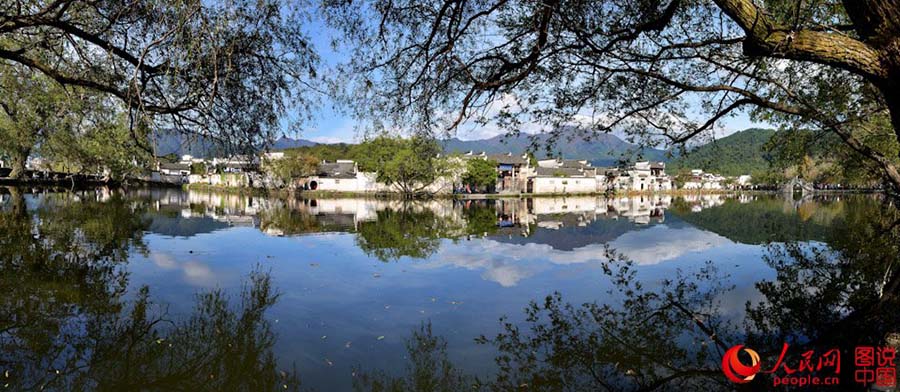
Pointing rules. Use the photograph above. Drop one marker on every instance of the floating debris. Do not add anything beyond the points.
(313, 264)
(328, 361)
(381, 337)
(376, 275)
(324, 337)
(347, 345)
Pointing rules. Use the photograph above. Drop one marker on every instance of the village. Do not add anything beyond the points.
(516, 174)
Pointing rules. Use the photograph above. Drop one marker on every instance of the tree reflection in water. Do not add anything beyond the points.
(66, 325)
(671, 335)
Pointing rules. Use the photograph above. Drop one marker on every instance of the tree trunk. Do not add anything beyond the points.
(19, 157)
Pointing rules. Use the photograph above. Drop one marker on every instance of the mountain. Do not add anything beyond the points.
(736, 154)
(171, 142)
(284, 143)
(175, 143)
(602, 150)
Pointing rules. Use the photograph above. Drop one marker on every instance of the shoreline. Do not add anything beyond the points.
(282, 193)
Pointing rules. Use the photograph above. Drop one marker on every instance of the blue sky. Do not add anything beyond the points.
(330, 125)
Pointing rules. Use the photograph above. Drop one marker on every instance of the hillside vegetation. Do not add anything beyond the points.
(736, 154)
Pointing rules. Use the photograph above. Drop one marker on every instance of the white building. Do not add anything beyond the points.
(703, 181)
(563, 176)
(644, 176)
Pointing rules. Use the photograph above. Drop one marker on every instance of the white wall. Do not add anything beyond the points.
(564, 184)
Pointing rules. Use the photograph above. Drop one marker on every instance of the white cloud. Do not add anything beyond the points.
(660, 243)
(507, 264)
(194, 272)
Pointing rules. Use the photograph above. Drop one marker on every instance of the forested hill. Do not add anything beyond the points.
(733, 155)
(602, 150)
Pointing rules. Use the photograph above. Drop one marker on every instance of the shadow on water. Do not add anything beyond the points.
(68, 323)
(670, 335)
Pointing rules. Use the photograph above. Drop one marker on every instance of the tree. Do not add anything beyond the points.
(411, 165)
(657, 70)
(292, 166)
(481, 173)
(226, 70)
(34, 107)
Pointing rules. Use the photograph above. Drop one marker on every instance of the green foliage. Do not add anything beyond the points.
(65, 311)
(734, 155)
(481, 173)
(292, 166)
(403, 232)
(226, 69)
(428, 368)
(34, 107)
(408, 164)
(762, 221)
(329, 152)
(199, 168)
(105, 147)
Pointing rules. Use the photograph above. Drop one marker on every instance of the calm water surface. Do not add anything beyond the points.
(168, 289)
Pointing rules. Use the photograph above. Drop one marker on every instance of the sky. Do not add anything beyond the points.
(330, 125)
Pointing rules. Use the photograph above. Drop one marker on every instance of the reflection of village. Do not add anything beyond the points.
(522, 216)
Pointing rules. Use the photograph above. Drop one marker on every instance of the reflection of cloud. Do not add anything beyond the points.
(194, 271)
(660, 243)
(507, 263)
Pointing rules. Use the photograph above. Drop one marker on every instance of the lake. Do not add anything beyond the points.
(169, 289)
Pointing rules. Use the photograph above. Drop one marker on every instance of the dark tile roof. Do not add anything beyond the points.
(560, 172)
(174, 166)
(337, 170)
(239, 165)
(574, 163)
(508, 159)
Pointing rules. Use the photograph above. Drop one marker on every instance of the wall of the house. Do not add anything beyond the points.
(564, 184)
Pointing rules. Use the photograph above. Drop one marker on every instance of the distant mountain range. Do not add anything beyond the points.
(736, 154)
(602, 149)
(175, 143)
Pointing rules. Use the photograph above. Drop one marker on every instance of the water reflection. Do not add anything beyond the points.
(66, 322)
(628, 294)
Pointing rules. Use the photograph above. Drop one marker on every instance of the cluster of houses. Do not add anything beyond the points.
(516, 174)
